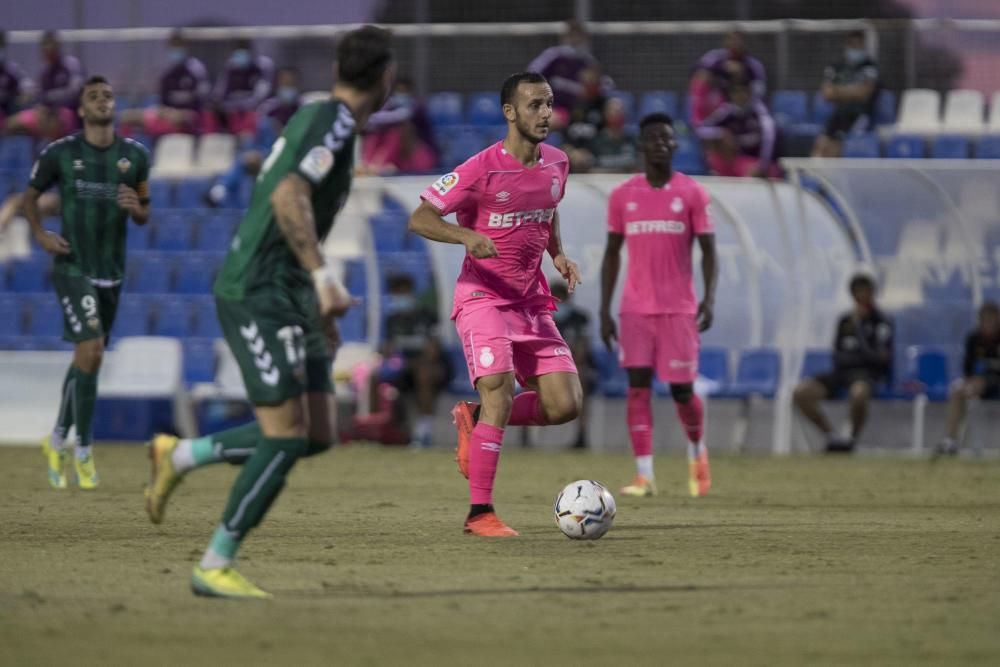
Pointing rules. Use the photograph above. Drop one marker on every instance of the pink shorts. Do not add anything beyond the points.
(666, 343)
(155, 125)
(65, 122)
(503, 339)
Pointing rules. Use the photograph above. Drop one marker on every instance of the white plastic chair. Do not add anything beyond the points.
(174, 156)
(919, 111)
(993, 125)
(216, 153)
(963, 112)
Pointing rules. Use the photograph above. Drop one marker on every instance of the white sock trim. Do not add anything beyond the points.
(644, 466)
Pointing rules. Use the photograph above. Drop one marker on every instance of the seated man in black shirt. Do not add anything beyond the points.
(862, 359)
(980, 374)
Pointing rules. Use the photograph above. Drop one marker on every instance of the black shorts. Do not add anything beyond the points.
(837, 383)
(844, 121)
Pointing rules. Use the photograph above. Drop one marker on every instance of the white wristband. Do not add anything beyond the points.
(324, 275)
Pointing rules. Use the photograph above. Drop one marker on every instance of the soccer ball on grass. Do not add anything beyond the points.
(584, 510)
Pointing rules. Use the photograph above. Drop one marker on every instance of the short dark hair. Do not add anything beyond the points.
(989, 307)
(243, 43)
(860, 280)
(50, 36)
(655, 117)
(92, 81)
(510, 84)
(363, 56)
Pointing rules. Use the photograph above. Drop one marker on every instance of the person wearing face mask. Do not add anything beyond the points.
(60, 82)
(614, 147)
(740, 136)
(718, 69)
(14, 83)
(184, 91)
(852, 86)
(247, 81)
(564, 67)
(399, 138)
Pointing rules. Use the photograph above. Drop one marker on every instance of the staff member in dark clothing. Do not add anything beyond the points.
(980, 374)
(862, 359)
(852, 86)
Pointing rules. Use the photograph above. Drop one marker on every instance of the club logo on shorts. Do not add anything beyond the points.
(445, 183)
(124, 164)
(561, 351)
(556, 188)
(680, 363)
(486, 357)
(677, 205)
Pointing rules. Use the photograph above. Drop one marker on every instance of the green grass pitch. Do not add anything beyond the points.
(801, 561)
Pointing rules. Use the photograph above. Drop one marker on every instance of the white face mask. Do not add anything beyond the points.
(855, 56)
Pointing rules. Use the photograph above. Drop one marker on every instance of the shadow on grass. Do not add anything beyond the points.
(352, 592)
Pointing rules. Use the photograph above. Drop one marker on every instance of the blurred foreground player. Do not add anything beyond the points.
(505, 198)
(102, 182)
(277, 299)
(660, 214)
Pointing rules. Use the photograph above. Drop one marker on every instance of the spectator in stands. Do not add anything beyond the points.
(399, 138)
(60, 82)
(862, 360)
(574, 326)
(244, 85)
(614, 147)
(563, 66)
(851, 85)
(584, 120)
(14, 83)
(740, 136)
(272, 116)
(184, 93)
(413, 358)
(720, 68)
(980, 375)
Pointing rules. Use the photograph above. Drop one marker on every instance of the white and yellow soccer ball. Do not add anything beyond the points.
(584, 510)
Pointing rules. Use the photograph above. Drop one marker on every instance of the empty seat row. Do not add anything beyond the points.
(184, 155)
(914, 146)
(964, 111)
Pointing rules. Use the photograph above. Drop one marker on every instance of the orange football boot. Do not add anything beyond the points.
(462, 416)
(488, 525)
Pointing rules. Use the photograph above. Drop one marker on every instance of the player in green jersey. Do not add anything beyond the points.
(277, 299)
(103, 181)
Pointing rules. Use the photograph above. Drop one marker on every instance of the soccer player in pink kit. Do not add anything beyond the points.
(505, 199)
(659, 214)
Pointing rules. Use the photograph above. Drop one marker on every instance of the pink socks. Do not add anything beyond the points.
(484, 454)
(640, 421)
(526, 410)
(692, 416)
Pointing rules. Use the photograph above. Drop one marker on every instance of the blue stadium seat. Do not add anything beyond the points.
(356, 277)
(413, 263)
(132, 318)
(459, 384)
(195, 272)
(484, 109)
(627, 100)
(885, 107)
(206, 321)
(817, 362)
(389, 231)
(929, 367)
(172, 316)
(30, 274)
(161, 193)
(950, 147)
(16, 152)
(199, 360)
(713, 363)
(215, 232)
(688, 158)
(757, 373)
(45, 316)
(173, 231)
(612, 380)
(988, 148)
(790, 107)
(190, 192)
(905, 146)
(658, 101)
(862, 146)
(149, 273)
(138, 236)
(353, 325)
(821, 109)
(12, 319)
(445, 108)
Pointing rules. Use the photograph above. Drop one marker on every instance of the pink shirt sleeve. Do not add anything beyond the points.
(701, 222)
(455, 190)
(616, 224)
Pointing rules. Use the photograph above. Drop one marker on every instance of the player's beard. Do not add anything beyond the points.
(526, 131)
(101, 121)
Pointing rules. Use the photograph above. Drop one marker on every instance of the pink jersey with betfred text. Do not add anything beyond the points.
(659, 225)
(494, 194)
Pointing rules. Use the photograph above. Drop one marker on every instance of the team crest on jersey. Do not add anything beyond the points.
(677, 205)
(444, 184)
(77, 165)
(486, 357)
(631, 206)
(556, 188)
(317, 163)
(124, 164)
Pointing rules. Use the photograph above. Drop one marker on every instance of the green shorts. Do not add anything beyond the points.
(278, 343)
(88, 311)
